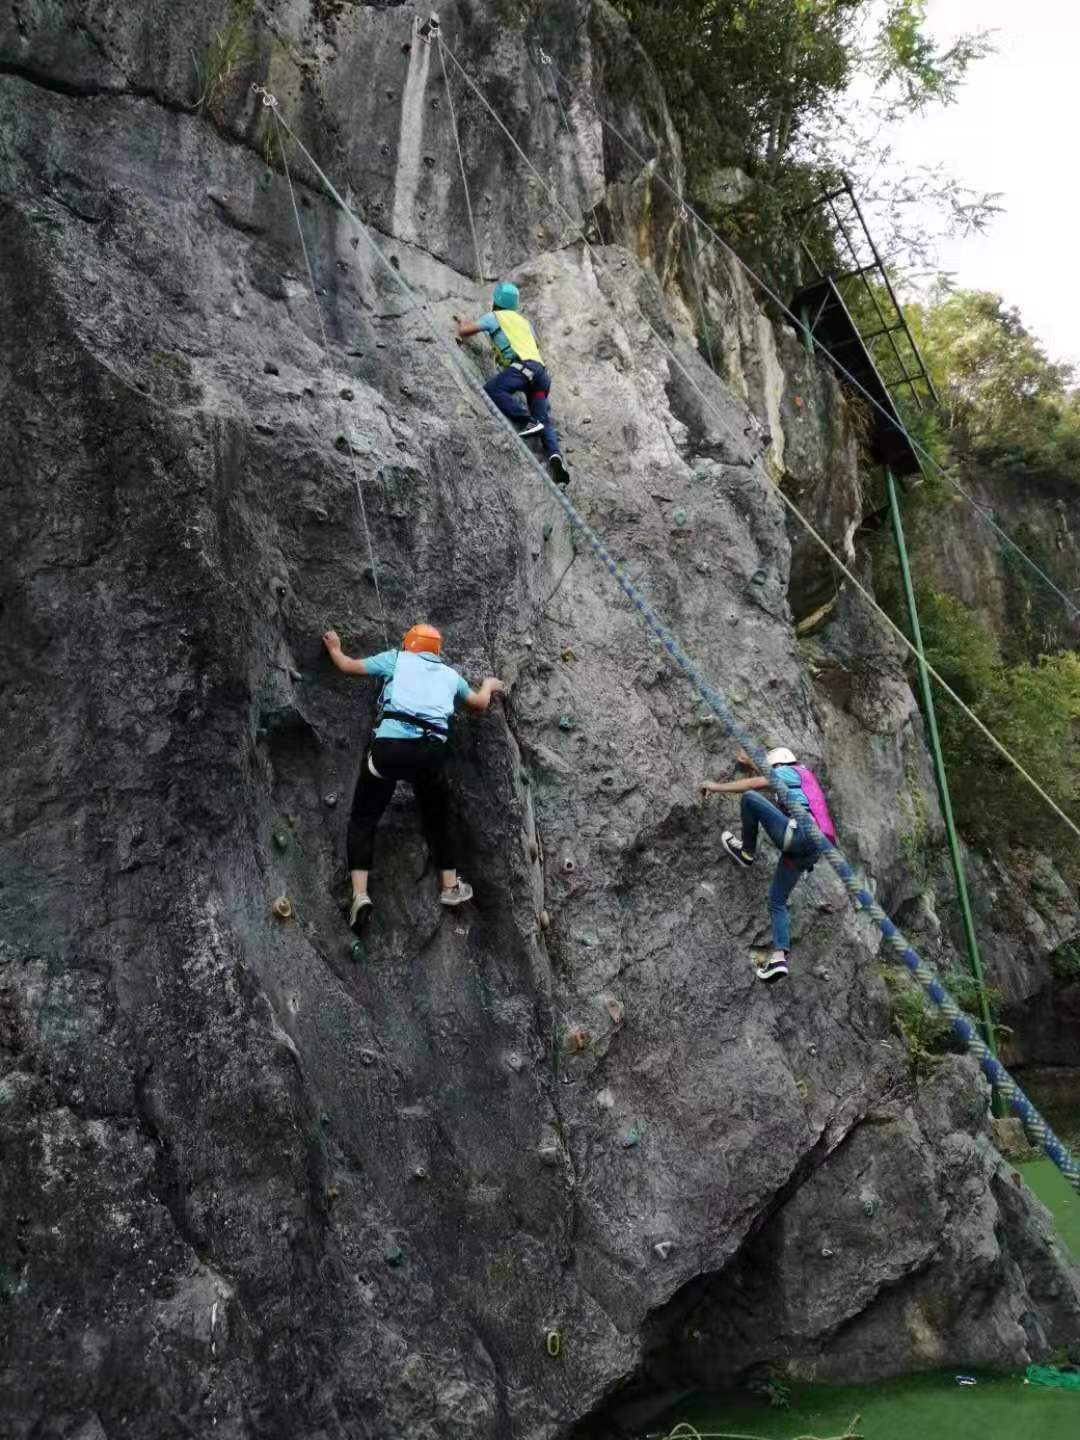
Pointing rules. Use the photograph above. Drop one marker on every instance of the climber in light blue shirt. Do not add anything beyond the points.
(417, 704)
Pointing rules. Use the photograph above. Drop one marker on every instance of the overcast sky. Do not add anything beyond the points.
(1014, 128)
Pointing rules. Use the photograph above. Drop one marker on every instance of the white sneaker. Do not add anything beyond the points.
(774, 968)
(456, 894)
(360, 904)
(530, 427)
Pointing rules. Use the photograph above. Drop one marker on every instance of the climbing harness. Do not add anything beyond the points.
(785, 499)
(270, 103)
(857, 891)
(803, 329)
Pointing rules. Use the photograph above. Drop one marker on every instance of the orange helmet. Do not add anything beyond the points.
(422, 637)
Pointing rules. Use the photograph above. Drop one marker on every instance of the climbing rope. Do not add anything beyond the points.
(695, 271)
(669, 444)
(461, 161)
(857, 891)
(685, 1431)
(785, 499)
(271, 104)
(893, 420)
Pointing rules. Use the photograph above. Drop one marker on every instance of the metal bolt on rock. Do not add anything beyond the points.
(281, 839)
(663, 1248)
(633, 1135)
(358, 953)
(330, 800)
(566, 722)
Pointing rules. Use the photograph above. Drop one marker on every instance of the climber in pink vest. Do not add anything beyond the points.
(798, 851)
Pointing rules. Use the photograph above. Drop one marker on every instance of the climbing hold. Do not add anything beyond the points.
(545, 920)
(616, 1010)
(826, 1253)
(577, 1040)
(330, 800)
(367, 1057)
(526, 778)
(632, 1136)
(798, 402)
(514, 1061)
(281, 908)
(393, 1255)
(281, 839)
(359, 954)
(552, 1343)
(420, 1173)
(759, 577)
(548, 528)
(568, 866)
(663, 1248)
(321, 514)
(341, 442)
(406, 48)
(270, 368)
(869, 1206)
(811, 1049)
(568, 656)
(605, 1099)
(679, 517)
(549, 1155)
(566, 722)
(346, 394)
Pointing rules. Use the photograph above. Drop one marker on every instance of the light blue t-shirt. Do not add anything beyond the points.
(383, 665)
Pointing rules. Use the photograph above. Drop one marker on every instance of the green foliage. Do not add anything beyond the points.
(764, 85)
(925, 1031)
(1065, 963)
(768, 1385)
(1000, 393)
(227, 51)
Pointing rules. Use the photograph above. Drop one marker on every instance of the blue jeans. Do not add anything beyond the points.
(534, 383)
(756, 811)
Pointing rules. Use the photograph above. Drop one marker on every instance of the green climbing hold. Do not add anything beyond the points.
(393, 1255)
(679, 517)
(281, 839)
(341, 442)
(357, 951)
(548, 528)
(759, 577)
(566, 722)
(633, 1135)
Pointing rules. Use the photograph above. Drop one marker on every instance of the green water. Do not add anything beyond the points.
(925, 1407)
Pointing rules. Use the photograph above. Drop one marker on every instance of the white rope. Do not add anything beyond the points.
(892, 419)
(461, 164)
(326, 351)
(787, 501)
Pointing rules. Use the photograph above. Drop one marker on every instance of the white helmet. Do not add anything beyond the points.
(780, 756)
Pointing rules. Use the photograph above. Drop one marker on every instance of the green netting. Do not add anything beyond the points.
(1052, 1378)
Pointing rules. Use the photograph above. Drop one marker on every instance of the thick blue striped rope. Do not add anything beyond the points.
(860, 896)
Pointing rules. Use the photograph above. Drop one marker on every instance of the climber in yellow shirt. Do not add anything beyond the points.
(521, 372)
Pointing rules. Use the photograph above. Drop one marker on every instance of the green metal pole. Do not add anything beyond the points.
(939, 766)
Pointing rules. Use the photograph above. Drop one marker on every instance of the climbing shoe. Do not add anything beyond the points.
(457, 894)
(559, 473)
(530, 427)
(361, 904)
(733, 845)
(772, 969)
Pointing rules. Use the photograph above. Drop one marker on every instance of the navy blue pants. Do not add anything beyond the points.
(534, 382)
(756, 811)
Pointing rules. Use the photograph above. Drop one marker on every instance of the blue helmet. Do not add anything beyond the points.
(506, 296)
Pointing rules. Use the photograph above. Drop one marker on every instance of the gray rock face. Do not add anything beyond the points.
(251, 1185)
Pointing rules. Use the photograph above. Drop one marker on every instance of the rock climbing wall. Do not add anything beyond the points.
(465, 1181)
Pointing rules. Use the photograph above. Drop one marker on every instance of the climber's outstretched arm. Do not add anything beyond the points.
(332, 641)
(467, 328)
(735, 787)
(481, 699)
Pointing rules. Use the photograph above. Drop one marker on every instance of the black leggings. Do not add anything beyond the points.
(420, 762)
